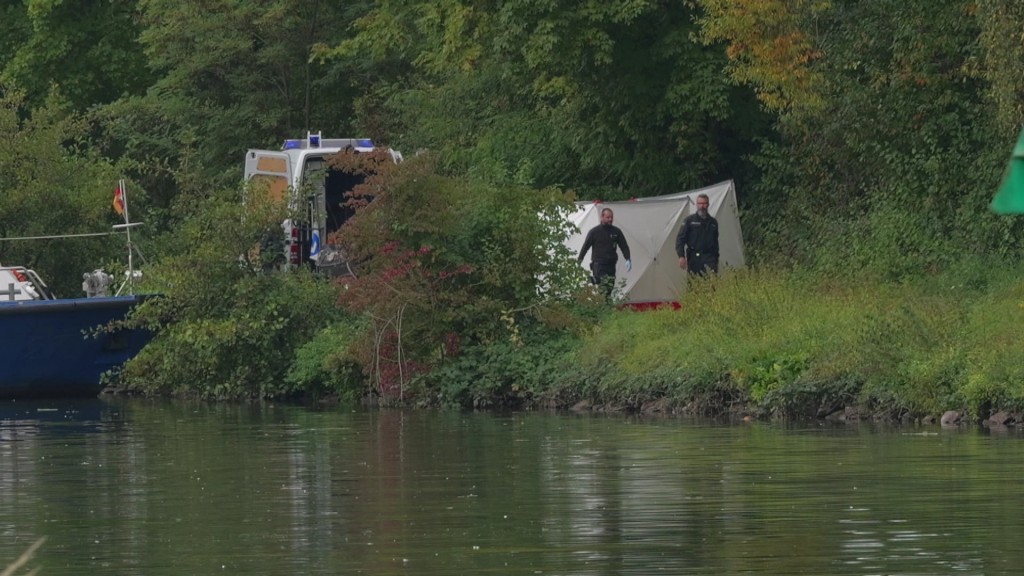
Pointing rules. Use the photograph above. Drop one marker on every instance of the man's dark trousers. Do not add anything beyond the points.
(603, 276)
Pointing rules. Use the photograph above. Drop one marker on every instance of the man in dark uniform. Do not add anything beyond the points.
(697, 242)
(603, 238)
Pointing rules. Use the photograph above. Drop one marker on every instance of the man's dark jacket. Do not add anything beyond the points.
(604, 238)
(698, 238)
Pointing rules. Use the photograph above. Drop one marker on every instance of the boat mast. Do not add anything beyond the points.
(127, 226)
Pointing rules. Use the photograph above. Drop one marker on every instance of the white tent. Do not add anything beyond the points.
(650, 226)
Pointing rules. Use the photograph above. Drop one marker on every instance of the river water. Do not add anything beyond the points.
(136, 487)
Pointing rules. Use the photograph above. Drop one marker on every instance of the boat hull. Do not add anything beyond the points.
(51, 347)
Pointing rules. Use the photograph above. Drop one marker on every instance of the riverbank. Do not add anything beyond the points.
(759, 343)
(769, 344)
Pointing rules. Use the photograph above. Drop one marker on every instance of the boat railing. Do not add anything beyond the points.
(42, 288)
(20, 283)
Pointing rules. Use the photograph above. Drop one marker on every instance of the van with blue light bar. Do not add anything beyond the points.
(299, 175)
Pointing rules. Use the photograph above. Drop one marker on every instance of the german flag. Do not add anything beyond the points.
(119, 201)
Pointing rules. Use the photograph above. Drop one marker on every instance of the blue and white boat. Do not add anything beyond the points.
(58, 346)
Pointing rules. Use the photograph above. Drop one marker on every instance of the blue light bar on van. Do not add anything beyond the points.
(292, 144)
(364, 143)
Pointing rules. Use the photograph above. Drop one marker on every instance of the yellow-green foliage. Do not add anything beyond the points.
(787, 342)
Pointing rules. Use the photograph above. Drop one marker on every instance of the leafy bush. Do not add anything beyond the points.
(448, 265)
(325, 366)
(225, 328)
(508, 373)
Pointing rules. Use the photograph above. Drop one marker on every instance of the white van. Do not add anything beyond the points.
(299, 175)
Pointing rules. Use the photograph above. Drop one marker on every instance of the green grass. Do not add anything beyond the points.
(792, 344)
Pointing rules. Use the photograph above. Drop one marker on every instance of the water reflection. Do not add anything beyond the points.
(131, 487)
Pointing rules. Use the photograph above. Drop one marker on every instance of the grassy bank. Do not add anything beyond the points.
(794, 345)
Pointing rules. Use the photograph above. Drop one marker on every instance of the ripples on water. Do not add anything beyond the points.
(143, 488)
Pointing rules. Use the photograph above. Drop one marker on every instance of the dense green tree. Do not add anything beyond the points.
(15, 31)
(230, 76)
(1002, 23)
(89, 50)
(887, 159)
(612, 98)
(54, 184)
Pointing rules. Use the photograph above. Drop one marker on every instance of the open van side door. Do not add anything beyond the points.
(273, 168)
